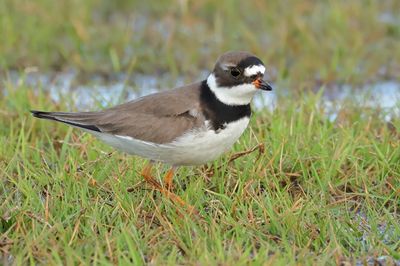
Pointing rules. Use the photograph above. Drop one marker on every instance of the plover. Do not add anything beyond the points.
(189, 125)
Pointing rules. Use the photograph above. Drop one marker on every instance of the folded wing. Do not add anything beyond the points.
(158, 118)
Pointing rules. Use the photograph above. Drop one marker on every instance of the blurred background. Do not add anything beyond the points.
(305, 44)
(325, 191)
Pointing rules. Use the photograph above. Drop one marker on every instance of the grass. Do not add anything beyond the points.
(301, 41)
(322, 192)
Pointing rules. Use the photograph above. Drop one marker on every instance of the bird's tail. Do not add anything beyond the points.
(81, 120)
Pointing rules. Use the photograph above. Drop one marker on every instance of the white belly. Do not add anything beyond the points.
(193, 148)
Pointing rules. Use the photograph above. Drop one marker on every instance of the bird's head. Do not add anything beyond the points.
(236, 77)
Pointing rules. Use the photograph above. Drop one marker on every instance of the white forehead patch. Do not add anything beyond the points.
(254, 70)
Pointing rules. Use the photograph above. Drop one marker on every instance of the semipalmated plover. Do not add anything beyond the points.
(189, 125)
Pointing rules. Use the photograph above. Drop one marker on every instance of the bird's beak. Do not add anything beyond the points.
(262, 85)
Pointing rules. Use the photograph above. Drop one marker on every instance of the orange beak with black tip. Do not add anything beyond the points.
(262, 85)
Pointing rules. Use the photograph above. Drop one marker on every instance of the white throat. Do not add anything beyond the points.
(236, 95)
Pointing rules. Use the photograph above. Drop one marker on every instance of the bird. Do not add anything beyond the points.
(186, 126)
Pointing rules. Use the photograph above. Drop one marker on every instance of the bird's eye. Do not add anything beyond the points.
(253, 77)
(235, 72)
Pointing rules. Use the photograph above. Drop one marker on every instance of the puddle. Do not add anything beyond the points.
(98, 91)
(381, 260)
(384, 95)
(385, 232)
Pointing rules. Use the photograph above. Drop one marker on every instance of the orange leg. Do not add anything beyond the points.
(168, 179)
(146, 173)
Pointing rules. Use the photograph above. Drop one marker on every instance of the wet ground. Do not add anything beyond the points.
(99, 91)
